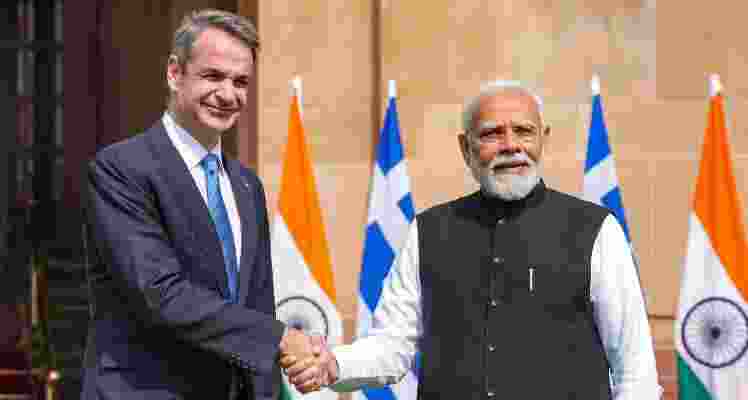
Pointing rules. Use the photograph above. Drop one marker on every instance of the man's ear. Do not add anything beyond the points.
(173, 72)
(464, 147)
(545, 135)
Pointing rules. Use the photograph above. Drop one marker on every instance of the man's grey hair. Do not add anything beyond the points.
(194, 23)
(488, 89)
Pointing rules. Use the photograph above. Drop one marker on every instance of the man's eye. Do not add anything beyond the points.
(212, 77)
(524, 130)
(489, 136)
(241, 83)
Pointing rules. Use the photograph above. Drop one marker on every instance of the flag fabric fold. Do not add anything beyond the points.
(391, 212)
(711, 329)
(302, 270)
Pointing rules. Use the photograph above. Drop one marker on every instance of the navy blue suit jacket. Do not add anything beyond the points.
(162, 327)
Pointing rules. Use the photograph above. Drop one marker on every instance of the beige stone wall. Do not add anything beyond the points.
(653, 58)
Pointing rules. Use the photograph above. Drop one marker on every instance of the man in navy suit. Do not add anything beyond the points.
(181, 271)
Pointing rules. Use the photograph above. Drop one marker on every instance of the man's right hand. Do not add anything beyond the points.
(297, 344)
(309, 374)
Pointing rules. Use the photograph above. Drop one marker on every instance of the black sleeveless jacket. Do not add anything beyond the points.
(506, 306)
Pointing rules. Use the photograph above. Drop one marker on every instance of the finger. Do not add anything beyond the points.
(301, 366)
(318, 343)
(310, 380)
(310, 374)
(325, 361)
(309, 389)
(308, 386)
(287, 361)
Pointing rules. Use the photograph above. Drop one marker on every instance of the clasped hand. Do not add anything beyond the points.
(308, 361)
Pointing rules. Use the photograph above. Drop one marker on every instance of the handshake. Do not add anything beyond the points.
(307, 360)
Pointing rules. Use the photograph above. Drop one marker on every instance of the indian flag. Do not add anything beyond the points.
(711, 330)
(302, 272)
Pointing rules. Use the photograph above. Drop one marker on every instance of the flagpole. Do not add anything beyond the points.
(296, 91)
(595, 84)
(727, 104)
(715, 86)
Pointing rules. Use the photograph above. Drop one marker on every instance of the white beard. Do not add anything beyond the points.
(507, 186)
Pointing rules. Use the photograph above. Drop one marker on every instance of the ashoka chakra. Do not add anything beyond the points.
(715, 332)
(304, 314)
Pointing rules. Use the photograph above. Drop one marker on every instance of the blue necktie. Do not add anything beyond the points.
(221, 221)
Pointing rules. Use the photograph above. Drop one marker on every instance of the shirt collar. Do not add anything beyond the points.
(191, 151)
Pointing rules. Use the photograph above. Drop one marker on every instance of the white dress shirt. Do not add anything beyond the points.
(192, 152)
(388, 351)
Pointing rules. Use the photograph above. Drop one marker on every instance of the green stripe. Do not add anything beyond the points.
(285, 394)
(690, 386)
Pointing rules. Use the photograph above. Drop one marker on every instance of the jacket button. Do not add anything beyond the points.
(498, 260)
(500, 221)
(491, 347)
(490, 394)
(493, 303)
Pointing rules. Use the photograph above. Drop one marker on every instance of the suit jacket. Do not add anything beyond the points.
(162, 327)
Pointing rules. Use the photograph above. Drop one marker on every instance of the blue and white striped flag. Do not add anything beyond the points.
(600, 179)
(391, 212)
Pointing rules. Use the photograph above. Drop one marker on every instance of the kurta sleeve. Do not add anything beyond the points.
(386, 354)
(621, 316)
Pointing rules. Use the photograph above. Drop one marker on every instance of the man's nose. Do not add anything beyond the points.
(509, 144)
(226, 92)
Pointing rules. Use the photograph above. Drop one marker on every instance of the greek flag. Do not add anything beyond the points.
(600, 179)
(390, 214)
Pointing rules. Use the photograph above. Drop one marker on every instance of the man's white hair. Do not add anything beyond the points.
(487, 89)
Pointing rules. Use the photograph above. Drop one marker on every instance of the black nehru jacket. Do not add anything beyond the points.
(506, 303)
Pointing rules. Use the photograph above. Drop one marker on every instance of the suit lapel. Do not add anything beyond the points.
(245, 204)
(189, 200)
